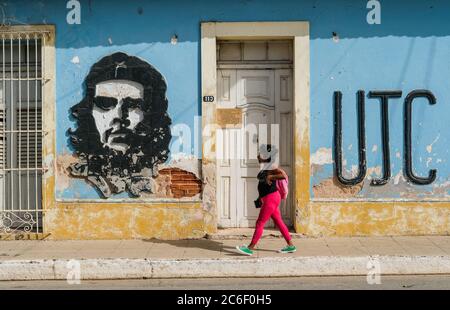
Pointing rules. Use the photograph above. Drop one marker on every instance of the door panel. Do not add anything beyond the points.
(255, 87)
(226, 88)
(257, 122)
(284, 118)
(227, 174)
(248, 192)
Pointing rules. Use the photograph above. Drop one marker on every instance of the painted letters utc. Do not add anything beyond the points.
(384, 97)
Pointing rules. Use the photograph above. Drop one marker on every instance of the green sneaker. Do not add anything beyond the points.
(288, 249)
(244, 250)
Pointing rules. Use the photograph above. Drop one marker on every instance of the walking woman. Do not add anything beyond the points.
(269, 199)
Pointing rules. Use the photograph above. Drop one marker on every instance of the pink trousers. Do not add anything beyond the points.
(269, 209)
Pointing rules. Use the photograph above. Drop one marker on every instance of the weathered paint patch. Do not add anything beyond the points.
(397, 188)
(331, 188)
(430, 147)
(63, 162)
(75, 60)
(374, 171)
(209, 195)
(322, 156)
(48, 165)
(185, 162)
(229, 118)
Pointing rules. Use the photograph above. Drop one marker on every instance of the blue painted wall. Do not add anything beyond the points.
(409, 50)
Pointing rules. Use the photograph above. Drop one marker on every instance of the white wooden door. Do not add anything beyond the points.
(265, 101)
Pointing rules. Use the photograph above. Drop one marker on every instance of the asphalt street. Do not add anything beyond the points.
(429, 282)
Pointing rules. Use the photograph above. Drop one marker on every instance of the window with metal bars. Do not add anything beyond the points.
(21, 131)
(2, 134)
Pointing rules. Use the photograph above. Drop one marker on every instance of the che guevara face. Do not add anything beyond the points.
(121, 135)
(117, 111)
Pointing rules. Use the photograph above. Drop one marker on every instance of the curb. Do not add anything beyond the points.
(109, 269)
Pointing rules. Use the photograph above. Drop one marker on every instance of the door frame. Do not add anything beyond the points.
(298, 32)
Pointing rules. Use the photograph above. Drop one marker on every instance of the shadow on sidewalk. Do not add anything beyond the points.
(205, 244)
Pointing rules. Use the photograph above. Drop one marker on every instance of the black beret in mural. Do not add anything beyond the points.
(121, 136)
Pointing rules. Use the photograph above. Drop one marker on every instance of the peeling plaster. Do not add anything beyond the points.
(48, 165)
(374, 171)
(399, 176)
(75, 60)
(331, 188)
(405, 190)
(353, 171)
(186, 162)
(209, 189)
(322, 156)
(63, 178)
(442, 189)
(398, 188)
(430, 147)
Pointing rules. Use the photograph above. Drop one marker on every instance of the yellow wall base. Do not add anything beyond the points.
(373, 218)
(89, 221)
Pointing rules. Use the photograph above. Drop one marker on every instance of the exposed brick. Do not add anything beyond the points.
(182, 183)
(181, 177)
(187, 186)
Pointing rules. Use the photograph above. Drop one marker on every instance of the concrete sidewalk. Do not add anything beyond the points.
(134, 259)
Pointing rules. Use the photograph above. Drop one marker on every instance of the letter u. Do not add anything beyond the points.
(338, 139)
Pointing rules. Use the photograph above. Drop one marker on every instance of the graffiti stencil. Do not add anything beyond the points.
(123, 129)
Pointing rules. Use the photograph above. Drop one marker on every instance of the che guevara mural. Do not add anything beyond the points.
(122, 129)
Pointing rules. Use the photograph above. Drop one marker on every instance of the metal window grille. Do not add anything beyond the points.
(21, 131)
